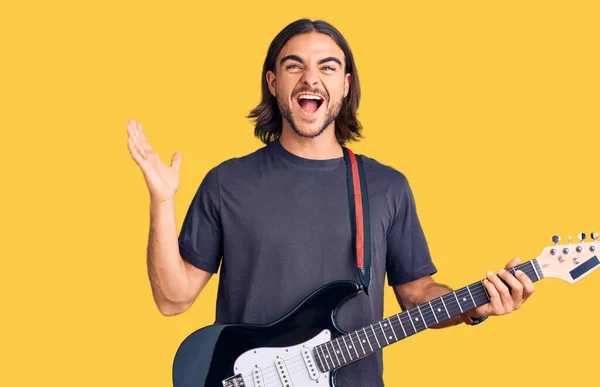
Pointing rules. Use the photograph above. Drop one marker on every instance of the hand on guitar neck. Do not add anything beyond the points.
(507, 292)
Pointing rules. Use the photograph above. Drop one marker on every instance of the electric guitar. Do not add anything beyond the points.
(306, 347)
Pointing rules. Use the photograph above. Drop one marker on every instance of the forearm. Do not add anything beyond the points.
(166, 269)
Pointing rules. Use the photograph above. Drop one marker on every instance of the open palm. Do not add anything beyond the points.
(162, 180)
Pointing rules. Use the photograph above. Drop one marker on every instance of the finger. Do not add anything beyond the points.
(133, 150)
(516, 287)
(130, 130)
(512, 263)
(528, 287)
(176, 161)
(146, 149)
(145, 143)
(132, 127)
(135, 140)
(507, 301)
(140, 130)
(495, 300)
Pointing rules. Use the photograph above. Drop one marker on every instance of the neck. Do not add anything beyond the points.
(367, 340)
(322, 147)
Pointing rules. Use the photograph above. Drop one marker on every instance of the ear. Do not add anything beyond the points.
(270, 77)
(347, 81)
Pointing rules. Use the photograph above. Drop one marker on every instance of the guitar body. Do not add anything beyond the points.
(274, 355)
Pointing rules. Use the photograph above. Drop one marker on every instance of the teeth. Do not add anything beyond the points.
(309, 96)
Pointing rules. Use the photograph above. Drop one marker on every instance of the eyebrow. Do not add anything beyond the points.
(298, 59)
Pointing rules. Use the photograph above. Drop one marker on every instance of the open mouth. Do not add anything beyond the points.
(309, 103)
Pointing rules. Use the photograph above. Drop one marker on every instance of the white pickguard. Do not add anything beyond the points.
(283, 367)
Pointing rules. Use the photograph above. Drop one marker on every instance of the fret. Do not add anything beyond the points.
(407, 326)
(485, 290)
(335, 353)
(368, 341)
(421, 313)
(442, 298)
(392, 328)
(534, 269)
(464, 299)
(375, 334)
(354, 345)
(401, 326)
(330, 357)
(384, 335)
(387, 332)
(411, 321)
(361, 341)
(416, 320)
(481, 297)
(433, 311)
(438, 308)
(429, 315)
(472, 299)
(347, 348)
(318, 357)
(341, 351)
(458, 302)
(324, 357)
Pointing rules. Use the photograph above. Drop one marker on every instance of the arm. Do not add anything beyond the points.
(419, 291)
(175, 283)
(502, 299)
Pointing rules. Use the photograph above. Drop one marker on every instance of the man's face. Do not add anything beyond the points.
(309, 83)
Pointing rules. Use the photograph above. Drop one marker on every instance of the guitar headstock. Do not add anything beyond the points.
(571, 261)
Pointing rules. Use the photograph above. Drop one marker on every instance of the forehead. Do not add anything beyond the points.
(312, 46)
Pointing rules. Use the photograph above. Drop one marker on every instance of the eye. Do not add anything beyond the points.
(329, 68)
(293, 67)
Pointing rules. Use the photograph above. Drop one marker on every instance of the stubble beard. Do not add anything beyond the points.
(286, 112)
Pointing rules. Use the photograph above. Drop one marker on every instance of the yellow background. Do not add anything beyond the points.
(489, 108)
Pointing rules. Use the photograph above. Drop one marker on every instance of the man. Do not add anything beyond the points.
(276, 222)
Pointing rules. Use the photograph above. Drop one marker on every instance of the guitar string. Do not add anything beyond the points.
(453, 309)
(296, 366)
(479, 291)
(293, 370)
(296, 361)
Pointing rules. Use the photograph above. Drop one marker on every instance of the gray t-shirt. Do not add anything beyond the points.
(278, 227)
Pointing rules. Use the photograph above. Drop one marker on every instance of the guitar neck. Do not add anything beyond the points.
(363, 342)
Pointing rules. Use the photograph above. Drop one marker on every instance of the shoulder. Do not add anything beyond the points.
(379, 173)
(241, 164)
(237, 171)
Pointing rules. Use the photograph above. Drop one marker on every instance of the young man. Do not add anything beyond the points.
(276, 222)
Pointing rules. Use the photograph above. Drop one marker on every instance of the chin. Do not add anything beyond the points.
(311, 131)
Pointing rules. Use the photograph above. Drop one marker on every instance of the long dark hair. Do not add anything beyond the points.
(267, 116)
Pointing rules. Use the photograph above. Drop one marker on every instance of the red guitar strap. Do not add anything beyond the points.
(359, 215)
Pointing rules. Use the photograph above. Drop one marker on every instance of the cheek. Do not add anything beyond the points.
(336, 90)
(284, 86)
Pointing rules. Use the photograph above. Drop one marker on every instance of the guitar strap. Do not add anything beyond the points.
(359, 215)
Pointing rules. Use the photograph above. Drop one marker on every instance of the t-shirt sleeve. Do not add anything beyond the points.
(201, 235)
(408, 257)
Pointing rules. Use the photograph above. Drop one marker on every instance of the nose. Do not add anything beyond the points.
(310, 76)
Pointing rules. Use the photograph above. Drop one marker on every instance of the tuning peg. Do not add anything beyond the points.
(581, 236)
(555, 239)
(594, 236)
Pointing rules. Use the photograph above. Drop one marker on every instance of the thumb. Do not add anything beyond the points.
(176, 161)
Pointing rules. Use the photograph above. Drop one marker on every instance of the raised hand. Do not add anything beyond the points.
(162, 180)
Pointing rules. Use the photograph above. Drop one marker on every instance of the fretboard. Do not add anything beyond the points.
(365, 341)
